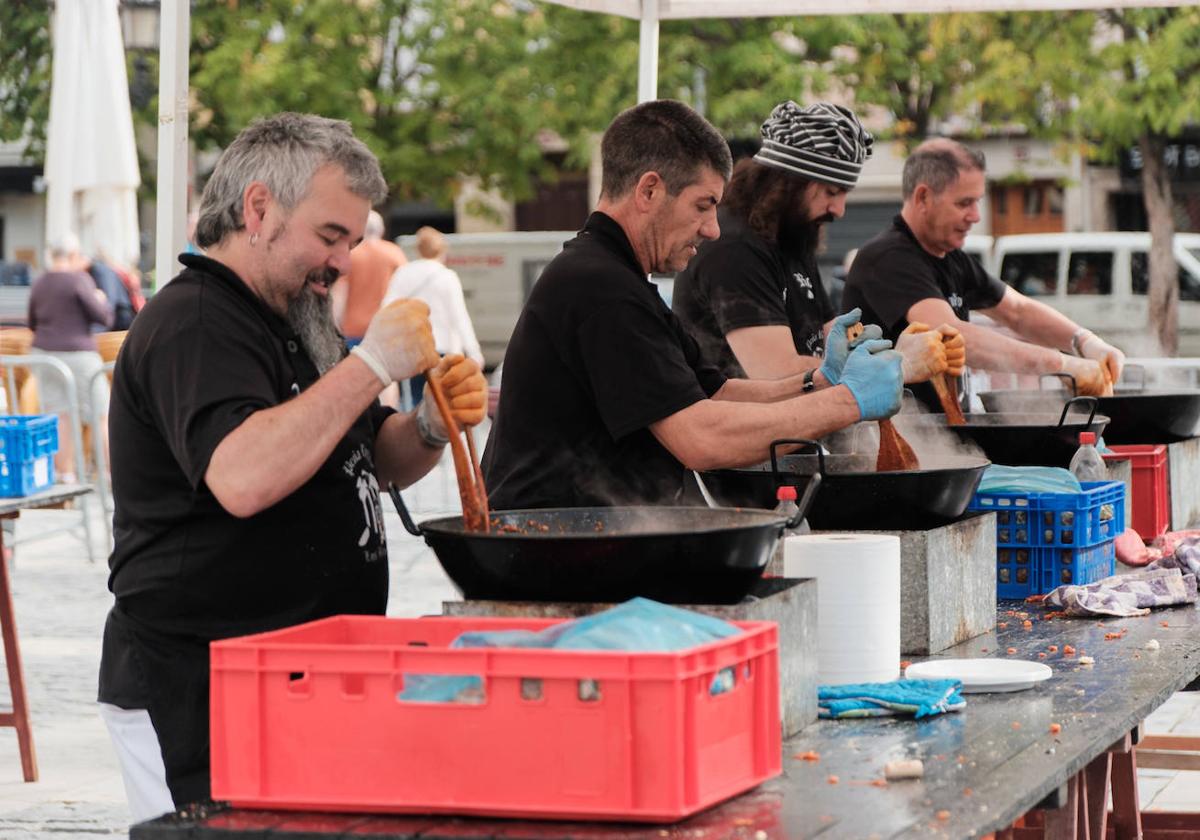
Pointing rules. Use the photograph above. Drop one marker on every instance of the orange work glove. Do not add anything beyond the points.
(956, 350)
(465, 388)
(1090, 380)
(924, 355)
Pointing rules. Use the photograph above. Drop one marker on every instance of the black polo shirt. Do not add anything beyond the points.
(742, 280)
(892, 272)
(204, 355)
(595, 358)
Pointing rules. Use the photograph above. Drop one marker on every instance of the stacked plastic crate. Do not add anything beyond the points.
(27, 446)
(1044, 540)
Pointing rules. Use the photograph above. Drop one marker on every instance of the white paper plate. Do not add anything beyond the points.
(982, 675)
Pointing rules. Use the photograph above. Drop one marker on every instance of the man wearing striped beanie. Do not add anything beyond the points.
(754, 298)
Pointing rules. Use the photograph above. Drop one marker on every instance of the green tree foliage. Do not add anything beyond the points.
(25, 73)
(913, 66)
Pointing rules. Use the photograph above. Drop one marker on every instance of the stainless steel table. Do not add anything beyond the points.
(985, 767)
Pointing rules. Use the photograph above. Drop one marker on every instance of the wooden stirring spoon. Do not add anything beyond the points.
(466, 466)
(895, 454)
(946, 396)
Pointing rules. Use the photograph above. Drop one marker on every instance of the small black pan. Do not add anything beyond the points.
(852, 495)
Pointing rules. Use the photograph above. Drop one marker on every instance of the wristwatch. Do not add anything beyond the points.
(808, 384)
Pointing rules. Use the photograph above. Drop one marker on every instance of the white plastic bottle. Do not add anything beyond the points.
(1087, 465)
(786, 507)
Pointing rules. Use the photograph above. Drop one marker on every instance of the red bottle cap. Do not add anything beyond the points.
(1086, 438)
(786, 492)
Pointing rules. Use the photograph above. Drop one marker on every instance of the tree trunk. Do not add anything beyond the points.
(1163, 293)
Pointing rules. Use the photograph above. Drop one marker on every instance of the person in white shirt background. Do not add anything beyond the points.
(429, 279)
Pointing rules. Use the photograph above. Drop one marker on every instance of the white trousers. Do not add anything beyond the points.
(140, 756)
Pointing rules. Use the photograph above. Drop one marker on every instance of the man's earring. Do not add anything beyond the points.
(253, 239)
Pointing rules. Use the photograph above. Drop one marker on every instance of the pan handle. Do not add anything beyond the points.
(1092, 401)
(1065, 377)
(775, 444)
(401, 509)
(1141, 384)
(810, 493)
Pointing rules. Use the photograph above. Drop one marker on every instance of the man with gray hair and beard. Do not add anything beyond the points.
(248, 447)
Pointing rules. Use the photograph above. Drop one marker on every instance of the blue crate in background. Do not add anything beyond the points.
(1033, 529)
(1059, 566)
(27, 447)
(1081, 519)
(1016, 572)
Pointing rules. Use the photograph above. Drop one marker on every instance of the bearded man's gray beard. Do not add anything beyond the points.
(311, 316)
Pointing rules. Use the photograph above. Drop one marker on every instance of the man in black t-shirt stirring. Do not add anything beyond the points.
(248, 448)
(606, 399)
(916, 272)
(754, 298)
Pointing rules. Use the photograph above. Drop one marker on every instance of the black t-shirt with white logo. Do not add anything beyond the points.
(204, 355)
(595, 358)
(741, 280)
(892, 272)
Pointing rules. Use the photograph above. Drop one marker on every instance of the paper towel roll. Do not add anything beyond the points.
(858, 603)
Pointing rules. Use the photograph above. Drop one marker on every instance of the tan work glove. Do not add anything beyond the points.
(923, 352)
(399, 341)
(1091, 346)
(956, 350)
(465, 388)
(1089, 376)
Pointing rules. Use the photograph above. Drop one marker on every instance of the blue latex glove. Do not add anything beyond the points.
(838, 345)
(874, 373)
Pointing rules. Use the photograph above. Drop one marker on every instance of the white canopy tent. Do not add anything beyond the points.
(91, 167)
(650, 12)
(172, 143)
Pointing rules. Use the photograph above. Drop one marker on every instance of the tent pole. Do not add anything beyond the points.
(171, 206)
(648, 52)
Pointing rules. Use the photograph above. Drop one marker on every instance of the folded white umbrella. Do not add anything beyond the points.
(91, 170)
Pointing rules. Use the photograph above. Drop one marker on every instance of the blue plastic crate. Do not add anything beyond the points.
(1034, 529)
(1058, 566)
(1081, 519)
(1016, 517)
(25, 477)
(27, 447)
(24, 437)
(1017, 574)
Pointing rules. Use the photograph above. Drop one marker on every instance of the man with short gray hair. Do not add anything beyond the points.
(916, 272)
(248, 448)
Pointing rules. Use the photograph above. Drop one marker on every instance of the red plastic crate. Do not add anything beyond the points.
(307, 718)
(1150, 487)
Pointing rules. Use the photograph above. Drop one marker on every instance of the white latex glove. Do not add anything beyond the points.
(923, 352)
(1094, 347)
(399, 341)
(1089, 375)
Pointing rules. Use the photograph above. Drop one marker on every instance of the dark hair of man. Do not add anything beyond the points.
(662, 136)
(763, 197)
(937, 163)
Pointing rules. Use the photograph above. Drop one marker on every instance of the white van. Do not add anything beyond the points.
(1099, 280)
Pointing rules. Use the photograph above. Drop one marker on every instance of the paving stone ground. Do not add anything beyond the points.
(61, 602)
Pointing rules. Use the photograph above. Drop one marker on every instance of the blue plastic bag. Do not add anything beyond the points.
(639, 625)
